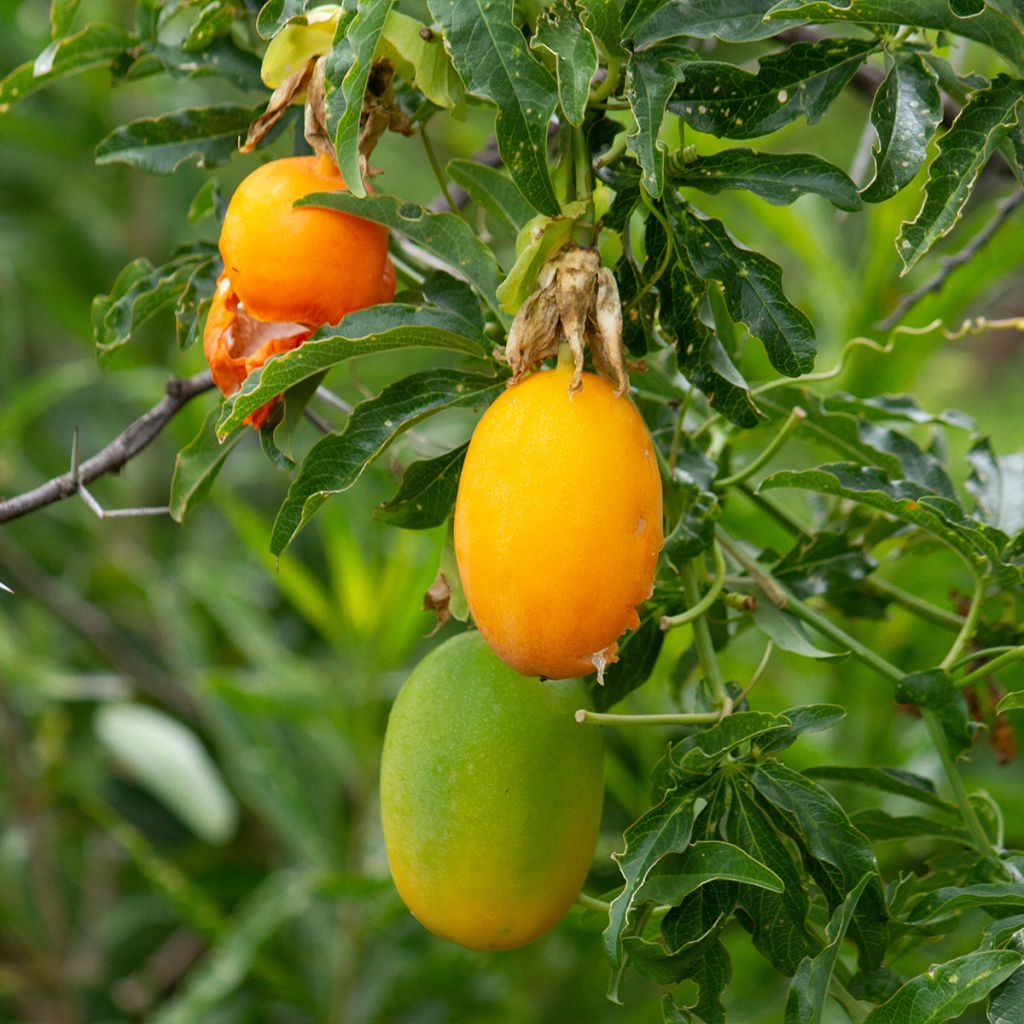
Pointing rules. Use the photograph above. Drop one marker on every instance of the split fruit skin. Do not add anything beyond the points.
(558, 523)
(491, 797)
(309, 265)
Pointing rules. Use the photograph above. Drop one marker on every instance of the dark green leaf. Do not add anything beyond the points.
(222, 59)
(427, 493)
(293, 406)
(94, 46)
(575, 55)
(727, 101)
(997, 482)
(952, 900)
(981, 545)
(905, 112)
(788, 632)
(346, 74)
(944, 991)
(687, 927)
(602, 19)
(895, 407)
(637, 654)
(214, 19)
(337, 461)
(887, 780)
(454, 295)
(445, 235)
(197, 464)
(807, 718)
(493, 190)
(376, 329)
(934, 689)
(823, 564)
(809, 989)
(882, 827)
(491, 55)
(1007, 1003)
(194, 302)
(664, 829)
(777, 177)
(700, 753)
(752, 286)
(990, 27)
(651, 75)
(963, 152)
(162, 144)
(734, 21)
(838, 855)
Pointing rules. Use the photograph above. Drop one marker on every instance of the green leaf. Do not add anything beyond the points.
(934, 689)
(905, 112)
(886, 780)
(651, 76)
(982, 546)
(62, 16)
(990, 27)
(162, 144)
(603, 21)
(194, 301)
(139, 293)
(997, 482)
(93, 46)
(1007, 1003)
(213, 20)
(280, 898)
(166, 758)
(838, 855)
(421, 58)
(895, 407)
(953, 901)
(809, 989)
(376, 329)
(824, 565)
(222, 59)
(779, 178)
(427, 493)
(806, 718)
(963, 152)
(276, 13)
(733, 21)
(302, 39)
(700, 753)
(337, 461)
(444, 235)
(944, 991)
(665, 828)
(882, 827)
(493, 190)
(454, 295)
(346, 74)
(1011, 702)
(752, 286)
(575, 55)
(677, 875)
(197, 464)
(637, 653)
(788, 633)
(724, 100)
(491, 55)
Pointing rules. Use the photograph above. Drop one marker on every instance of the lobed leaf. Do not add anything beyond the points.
(779, 178)
(946, 990)
(162, 144)
(906, 110)
(445, 235)
(603, 20)
(702, 752)
(801, 81)
(806, 718)
(491, 55)
(575, 55)
(732, 21)
(337, 461)
(964, 150)
(426, 495)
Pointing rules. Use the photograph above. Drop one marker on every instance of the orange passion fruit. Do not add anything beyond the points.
(558, 523)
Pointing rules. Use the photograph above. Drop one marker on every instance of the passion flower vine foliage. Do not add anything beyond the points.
(596, 512)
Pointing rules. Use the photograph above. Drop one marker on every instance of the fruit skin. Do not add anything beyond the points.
(491, 797)
(558, 523)
(309, 265)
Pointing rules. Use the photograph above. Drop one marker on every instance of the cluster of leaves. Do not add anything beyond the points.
(736, 835)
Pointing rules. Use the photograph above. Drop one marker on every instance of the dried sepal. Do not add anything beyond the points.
(606, 336)
(280, 100)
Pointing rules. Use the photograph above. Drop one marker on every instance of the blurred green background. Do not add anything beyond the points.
(216, 856)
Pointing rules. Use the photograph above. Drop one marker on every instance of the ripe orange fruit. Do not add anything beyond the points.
(308, 265)
(490, 796)
(558, 523)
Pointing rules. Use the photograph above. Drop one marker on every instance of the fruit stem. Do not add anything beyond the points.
(1006, 658)
(566, 360)
(795, 418)
(698, 609)
(585, 717)
(702, 639)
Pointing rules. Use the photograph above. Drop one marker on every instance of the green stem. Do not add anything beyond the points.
(611, 81)
(438, 170)
(590, 903)
(780, 514)
(702, 639)
(613, 152)
(1007, 658)
(795, 418)
(970, 623)
(925, 609)
(987, 652)
(698, 609)
(585, 717)
(666, 259)
(848, 1001)
(978, 835)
